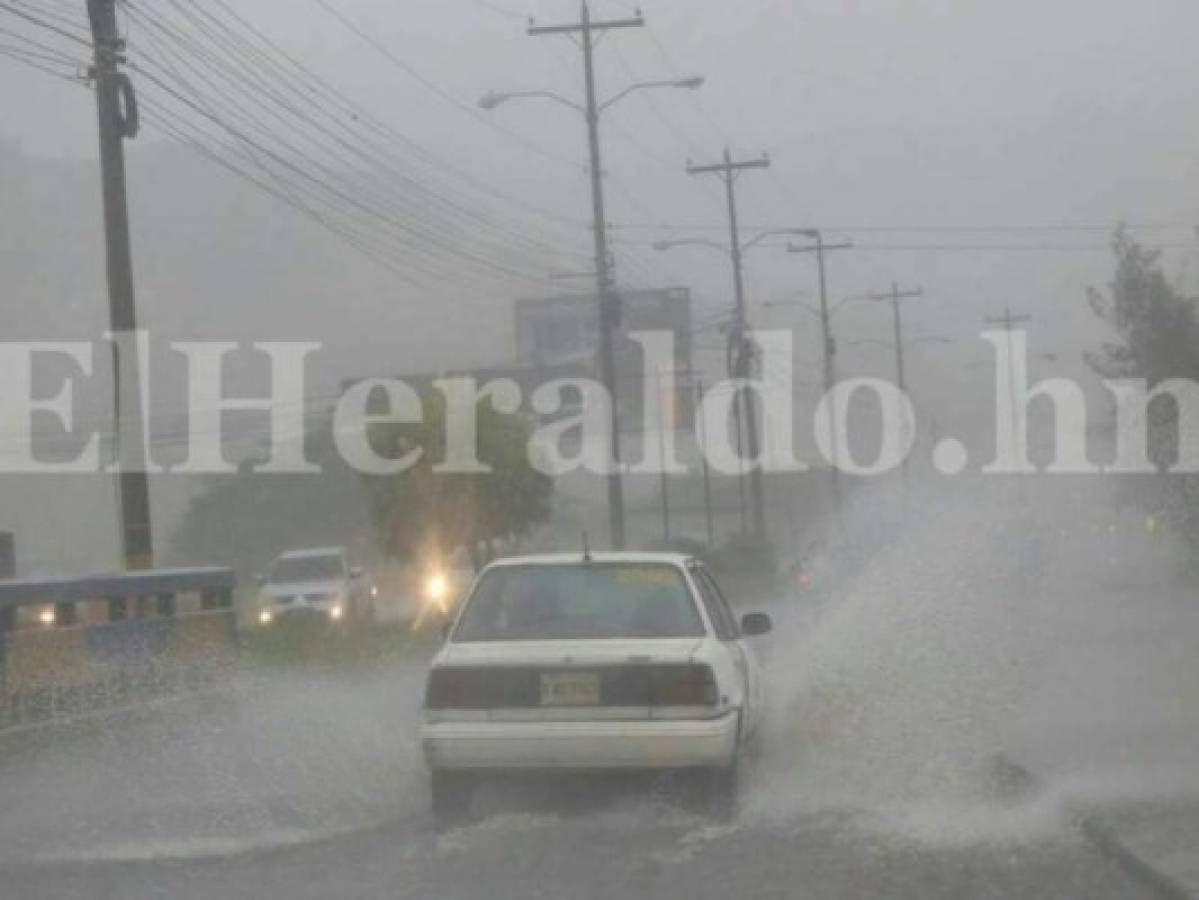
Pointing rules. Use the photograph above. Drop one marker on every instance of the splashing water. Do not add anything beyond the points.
(942, 655)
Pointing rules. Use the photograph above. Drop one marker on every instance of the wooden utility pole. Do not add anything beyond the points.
(697, 417)
(116, 108)
(829, 345)
(609, 301)
(893, 297)
(741, 357)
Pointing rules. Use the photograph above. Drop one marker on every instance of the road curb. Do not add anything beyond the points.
(1100, 835)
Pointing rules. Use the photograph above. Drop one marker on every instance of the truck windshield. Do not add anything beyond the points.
(307, 568)
(598, 600)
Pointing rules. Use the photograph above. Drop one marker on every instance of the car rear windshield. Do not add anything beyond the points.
(580, 601)
(307, 568)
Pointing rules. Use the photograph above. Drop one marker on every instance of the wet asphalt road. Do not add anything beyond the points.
(879, 778)
(182, 805)
(609, 854)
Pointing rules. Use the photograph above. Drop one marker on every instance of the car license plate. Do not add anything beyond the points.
(570, 689)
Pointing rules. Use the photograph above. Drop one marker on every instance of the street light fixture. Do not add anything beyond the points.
(690, 83)
(492, 99)
(662, 246)
(724, 248)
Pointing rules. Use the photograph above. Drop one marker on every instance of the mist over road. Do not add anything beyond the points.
(1045, 627)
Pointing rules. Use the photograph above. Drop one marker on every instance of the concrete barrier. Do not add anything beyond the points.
(74, 646)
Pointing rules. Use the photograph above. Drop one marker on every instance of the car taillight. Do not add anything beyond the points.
(479, 688)
(690, 685)
(446, 689)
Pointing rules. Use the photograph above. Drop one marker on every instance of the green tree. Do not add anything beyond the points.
(246, 519)
(421, 513)
(1156, 332)
(1154, 323)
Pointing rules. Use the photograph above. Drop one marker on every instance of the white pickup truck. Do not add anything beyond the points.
(316, 583)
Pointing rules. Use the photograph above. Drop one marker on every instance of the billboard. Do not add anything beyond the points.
(563, 331)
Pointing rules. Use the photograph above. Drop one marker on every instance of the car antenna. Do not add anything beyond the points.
(586, 549)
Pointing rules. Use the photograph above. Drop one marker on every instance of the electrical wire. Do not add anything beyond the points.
(281, 108)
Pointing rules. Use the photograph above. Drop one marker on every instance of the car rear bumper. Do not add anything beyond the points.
(613, 744)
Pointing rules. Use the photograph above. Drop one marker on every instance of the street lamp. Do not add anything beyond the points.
(492, 99)
(662, 246)
(609, 304)
(724, 248)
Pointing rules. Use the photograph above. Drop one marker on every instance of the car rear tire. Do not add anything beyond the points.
(452, 796)
(722, 792)
(710, 792)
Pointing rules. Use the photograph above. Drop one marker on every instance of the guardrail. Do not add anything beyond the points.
(72, 646)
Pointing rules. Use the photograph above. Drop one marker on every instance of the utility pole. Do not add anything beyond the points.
(830, 346)
(894, 296)
(1009, 321)
(663, 487)
(609, 302)
(741, 364)
(697, 417)
(116, 107)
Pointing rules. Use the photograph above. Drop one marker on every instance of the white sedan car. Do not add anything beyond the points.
(592, 662)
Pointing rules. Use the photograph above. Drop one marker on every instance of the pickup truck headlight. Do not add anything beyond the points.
(437, 588)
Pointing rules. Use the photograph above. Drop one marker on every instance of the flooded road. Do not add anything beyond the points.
(987, 641)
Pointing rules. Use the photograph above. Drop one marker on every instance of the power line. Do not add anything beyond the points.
(926, 229)
(302, 169)
(281, 109)
(43, 23)
(436, 89)
(25, 59)
(358, 114)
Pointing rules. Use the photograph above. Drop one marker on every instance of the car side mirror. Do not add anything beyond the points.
(755, 623)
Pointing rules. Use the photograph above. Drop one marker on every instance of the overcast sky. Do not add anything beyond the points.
(900, 124)
(876, 113)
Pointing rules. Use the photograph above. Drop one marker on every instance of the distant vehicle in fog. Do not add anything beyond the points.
(578, 662)
(317, 583)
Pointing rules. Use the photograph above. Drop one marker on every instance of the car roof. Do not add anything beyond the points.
(313, 551)
(610, 556)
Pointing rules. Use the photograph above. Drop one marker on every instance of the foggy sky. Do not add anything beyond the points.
(877, 114)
